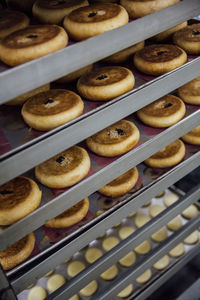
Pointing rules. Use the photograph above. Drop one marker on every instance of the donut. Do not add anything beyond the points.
(70, 216)
(163, 112)
(141, 220)
(190, 92)
(25, 5)
(155, 210)
(162, 263)
(125, 231)
(174, 224)
(38, 292)
(169, 199)
(128, 260)
(17, 252)
(192, 238)
(114, 140)
(74, 268)
(18, 198)
(55, 282)
(124, 55)
(126, 292)
(190, 212)
(141, 8)
(105, 83)
(177, 251)
(92, 254)
(167, 34)
(143, 248)
(50, 109)
(32, 42)
(11, 21)
(90, 289)
(64, 169)
(95, 19)
(188, 38)
(75, 75)
(22, 98)
(192, 137)
(110, 273)
(159, 59)
(169, 156)
(53, 11)
(144, 277)
(121, 185)
(109, 243)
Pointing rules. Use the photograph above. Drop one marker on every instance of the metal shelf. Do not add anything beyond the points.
(53, 207)
(50, 260)
(22, 159)
(38, 72)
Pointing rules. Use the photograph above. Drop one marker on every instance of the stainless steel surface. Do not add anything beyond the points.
(68, 249)
(15, 163)
(23, 78)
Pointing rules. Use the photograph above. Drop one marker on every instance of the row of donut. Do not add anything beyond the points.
(45, 109)
(17, 47)
(21, 195)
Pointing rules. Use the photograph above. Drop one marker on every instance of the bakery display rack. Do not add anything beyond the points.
(23, 157)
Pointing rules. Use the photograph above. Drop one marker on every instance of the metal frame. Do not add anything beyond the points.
(37, 72)
(91, 184)
(22, 159)
(51, 260)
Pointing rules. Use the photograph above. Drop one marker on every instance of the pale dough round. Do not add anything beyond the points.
(75, 297)
(110, 273)
(177, 251)
(38, 292)
(160, 195)
(141, 220)
(126, 292)
(109, 243)
(155, 210)
(190, 212)
(125, 231)
(169, 199)
(49, 273)
(92, 254)
(143, 248)
(132, 214)
(174, 224)
(162, 263)
(128, 260)
(144, 277)
(160, 235)
(147, 204)
(54, 282)
(74, 268)
(192, 238)
(89, 289)
(117, 225)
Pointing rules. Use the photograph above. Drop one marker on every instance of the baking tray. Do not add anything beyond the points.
(61, 269)
(48, 239)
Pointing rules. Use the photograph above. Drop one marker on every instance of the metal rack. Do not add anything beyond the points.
(38, 72)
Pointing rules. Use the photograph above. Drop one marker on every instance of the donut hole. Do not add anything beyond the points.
(119, 131)
(32, 36)
(101, 77)
(161, 52)
(168, 105)
(92, 14)
(196, 32)
(60, 159)
(6, 192)
(49, 100)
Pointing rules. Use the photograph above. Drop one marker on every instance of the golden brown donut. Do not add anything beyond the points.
(190, 92)
(192, 137)
(141, 8)
(106, 83)
(163, 112)
(121, 185)
(159, 59)
(188, 39)
(70, 216)
(94, 19)
(64, 169)
(114, 140)
(53, 11)
(17, 252)
(18, 198)
(50, 109)
(32, 42)
(11, 21)
(169, 156)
